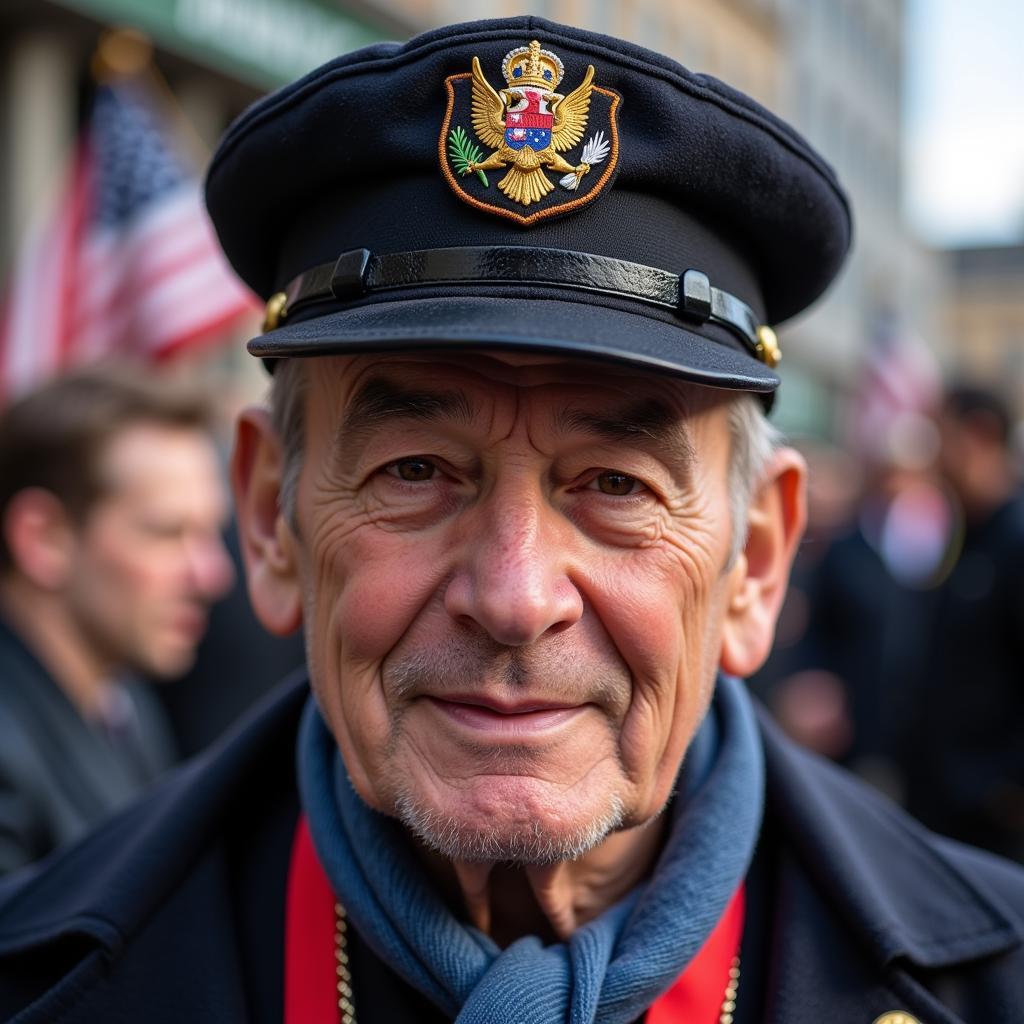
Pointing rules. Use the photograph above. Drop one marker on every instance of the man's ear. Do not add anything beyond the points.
(268, 542)
(757, 582)
(40, 537)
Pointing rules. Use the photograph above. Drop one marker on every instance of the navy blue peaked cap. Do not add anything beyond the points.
(517, 183)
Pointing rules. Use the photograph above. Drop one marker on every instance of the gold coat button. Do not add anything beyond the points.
(897, 1017)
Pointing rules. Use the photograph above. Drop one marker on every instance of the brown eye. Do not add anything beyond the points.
(413, 470)
(620, 484)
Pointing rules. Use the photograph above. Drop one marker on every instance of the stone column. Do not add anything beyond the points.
(40, 79)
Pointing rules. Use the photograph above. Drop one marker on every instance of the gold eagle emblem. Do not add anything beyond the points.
(527, 125)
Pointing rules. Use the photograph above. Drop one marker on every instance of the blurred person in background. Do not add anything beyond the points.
(237, 662)
(963, 748)
(111, 504)
(841, 688)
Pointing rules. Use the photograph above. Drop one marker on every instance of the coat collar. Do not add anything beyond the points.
(908, 894)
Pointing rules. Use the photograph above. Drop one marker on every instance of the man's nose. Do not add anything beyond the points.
(512, 580)
(210, 568)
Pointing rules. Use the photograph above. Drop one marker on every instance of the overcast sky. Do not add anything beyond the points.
(965, 120)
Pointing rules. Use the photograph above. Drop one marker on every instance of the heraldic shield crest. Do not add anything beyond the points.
(528, 151)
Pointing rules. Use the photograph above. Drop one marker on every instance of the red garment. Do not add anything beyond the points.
(309, 980)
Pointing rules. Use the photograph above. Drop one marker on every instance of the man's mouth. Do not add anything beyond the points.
(515, 719)
(189, 622)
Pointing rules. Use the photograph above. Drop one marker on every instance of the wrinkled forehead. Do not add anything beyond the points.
(458, 383)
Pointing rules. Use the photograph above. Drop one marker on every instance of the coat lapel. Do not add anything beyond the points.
(868, 905)
(819, 971)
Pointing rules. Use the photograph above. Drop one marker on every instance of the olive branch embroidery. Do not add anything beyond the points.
(463, 153)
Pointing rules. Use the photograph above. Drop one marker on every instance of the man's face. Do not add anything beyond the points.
(969, 448)
(148, 558)
(514, 578)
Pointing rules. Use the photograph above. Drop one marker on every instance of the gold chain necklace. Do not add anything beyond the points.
(732, 987)
(346, 1006)
(346, 1002)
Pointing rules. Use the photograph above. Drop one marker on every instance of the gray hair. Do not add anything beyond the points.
(753, 441)
(288, 390)
(752, 438)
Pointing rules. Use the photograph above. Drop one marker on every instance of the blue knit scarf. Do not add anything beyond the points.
(611, 969)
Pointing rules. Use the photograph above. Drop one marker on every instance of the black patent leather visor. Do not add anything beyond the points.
(708, 354)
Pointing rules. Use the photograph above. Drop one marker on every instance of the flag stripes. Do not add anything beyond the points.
(126, 262)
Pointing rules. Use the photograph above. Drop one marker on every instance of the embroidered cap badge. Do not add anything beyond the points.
(527, 126)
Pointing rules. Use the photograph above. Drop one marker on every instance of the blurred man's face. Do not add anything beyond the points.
(971, 453)
(514, 579)
(148, 559)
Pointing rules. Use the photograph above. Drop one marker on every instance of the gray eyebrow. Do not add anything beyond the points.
(648, 423)
(380, 401)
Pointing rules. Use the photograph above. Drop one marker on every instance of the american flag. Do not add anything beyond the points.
(899, 383)
(126, 262)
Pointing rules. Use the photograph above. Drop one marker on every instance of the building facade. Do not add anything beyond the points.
(843, 86)
(983, 316)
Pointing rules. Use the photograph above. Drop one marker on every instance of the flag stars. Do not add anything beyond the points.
(135, 163)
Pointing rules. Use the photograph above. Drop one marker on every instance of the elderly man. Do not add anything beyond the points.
(111, 503)
(517, 485)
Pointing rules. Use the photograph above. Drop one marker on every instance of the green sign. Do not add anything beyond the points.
(265, 42)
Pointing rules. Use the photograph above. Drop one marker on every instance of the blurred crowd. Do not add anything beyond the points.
(900, 648)
(127, 641)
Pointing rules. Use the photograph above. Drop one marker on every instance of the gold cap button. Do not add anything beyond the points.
(275, 311)
(768, 350)
(897, 1017)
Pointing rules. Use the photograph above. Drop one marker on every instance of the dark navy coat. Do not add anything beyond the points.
(174, 910)
(59, 774)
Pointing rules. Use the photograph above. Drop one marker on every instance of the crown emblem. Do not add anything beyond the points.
(530, 65)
